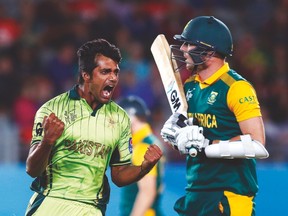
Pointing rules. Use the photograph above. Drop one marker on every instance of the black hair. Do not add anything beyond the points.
(88, 51)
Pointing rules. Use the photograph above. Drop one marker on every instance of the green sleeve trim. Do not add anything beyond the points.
(228, 79)
(121, 163)
(35, 142)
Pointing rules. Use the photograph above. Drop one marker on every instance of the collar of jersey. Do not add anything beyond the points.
(73, 94)
(139, 135)
(224, 69)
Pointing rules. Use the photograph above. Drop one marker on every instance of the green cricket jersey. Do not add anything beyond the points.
(92, 140)
(219, 103)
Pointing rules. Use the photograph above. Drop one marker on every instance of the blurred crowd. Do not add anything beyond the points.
(39, 40)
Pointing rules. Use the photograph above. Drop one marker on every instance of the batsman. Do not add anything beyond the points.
(229, 135)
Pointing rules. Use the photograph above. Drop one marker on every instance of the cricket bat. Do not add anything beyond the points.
(171, 79)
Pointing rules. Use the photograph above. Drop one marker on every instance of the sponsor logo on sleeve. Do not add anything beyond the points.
(39, 129)
(248, 99)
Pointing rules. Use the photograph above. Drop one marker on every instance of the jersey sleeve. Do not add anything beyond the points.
(242, 101)
(38, 132)
(123, 152)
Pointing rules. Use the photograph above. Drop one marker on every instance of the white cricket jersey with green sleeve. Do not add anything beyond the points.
(92, 140)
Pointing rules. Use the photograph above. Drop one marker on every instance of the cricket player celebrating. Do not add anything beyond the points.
(229, 136)
(77, 135)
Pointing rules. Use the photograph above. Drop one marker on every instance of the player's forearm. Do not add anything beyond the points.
(37, 159)
(127, 174)
(122, 176)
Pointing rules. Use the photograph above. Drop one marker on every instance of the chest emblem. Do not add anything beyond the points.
(212, 98)
(70, 116)
(189, 94)
(111, 123)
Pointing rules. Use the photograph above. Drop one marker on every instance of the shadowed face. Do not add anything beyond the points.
(196, 56)
(185, 48)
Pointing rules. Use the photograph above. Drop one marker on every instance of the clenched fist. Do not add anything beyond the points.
(53, 129)
(151, 157)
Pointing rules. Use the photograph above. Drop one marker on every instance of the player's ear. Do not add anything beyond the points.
(85, 76)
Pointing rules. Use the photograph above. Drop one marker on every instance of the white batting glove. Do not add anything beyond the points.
(190, 136)
(170, 127)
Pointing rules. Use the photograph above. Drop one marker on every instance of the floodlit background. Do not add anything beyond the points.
(38, 44)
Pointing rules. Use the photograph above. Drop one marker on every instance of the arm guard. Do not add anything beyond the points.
(244, 148)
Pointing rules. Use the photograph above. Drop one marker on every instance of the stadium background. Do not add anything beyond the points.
(38, 42)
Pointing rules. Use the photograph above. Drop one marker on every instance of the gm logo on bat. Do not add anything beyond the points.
(174, 98)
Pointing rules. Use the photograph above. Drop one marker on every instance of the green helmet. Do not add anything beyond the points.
(209, 32)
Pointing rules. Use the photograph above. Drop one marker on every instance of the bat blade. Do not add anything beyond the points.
(171, 80)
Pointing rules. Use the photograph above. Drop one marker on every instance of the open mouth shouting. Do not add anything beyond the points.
(108, 91)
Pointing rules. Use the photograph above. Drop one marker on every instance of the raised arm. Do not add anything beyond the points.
(39, 153)
(124, 175)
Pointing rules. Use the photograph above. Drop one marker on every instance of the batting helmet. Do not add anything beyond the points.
(134, 105)
(208, 32)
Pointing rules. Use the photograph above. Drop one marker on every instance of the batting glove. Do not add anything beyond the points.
(190, 136)
(171, 126)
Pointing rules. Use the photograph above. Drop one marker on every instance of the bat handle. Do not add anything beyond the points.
(193, 152)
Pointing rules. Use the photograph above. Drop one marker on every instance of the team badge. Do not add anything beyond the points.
(212, 98)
